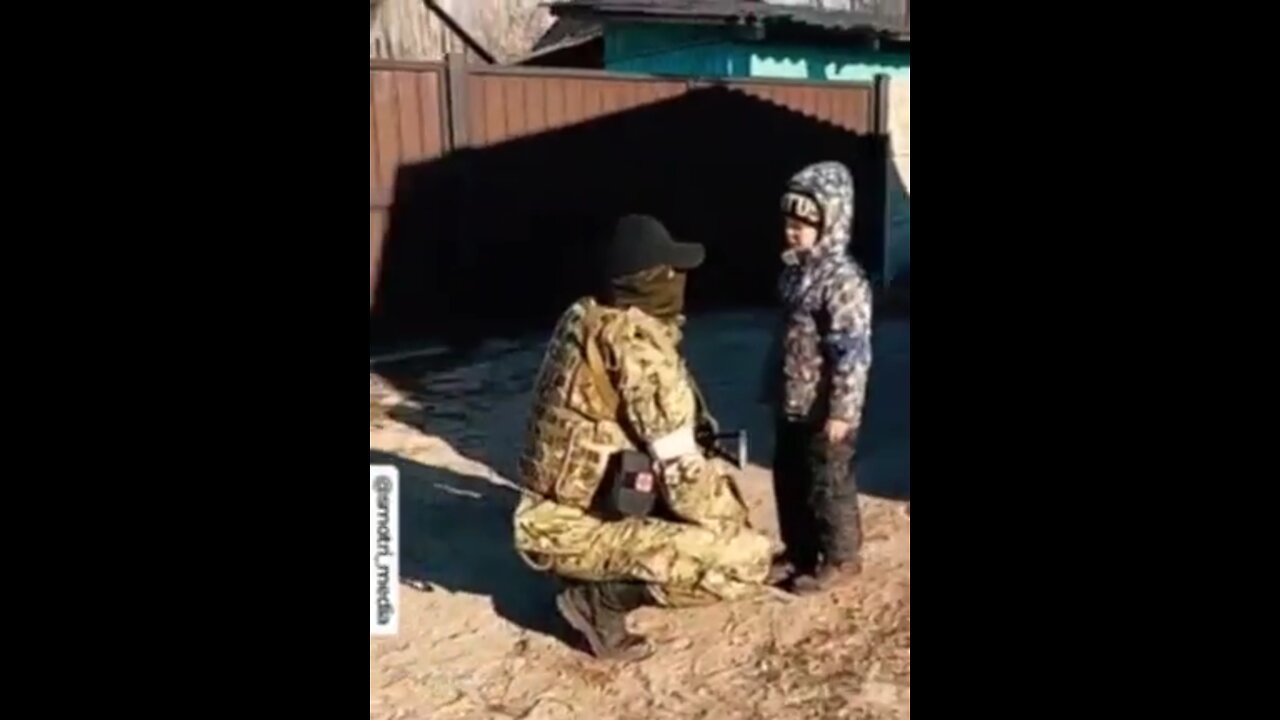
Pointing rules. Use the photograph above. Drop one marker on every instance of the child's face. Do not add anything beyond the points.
(800, 236)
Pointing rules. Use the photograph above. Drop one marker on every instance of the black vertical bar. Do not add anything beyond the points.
(880, 106)
(457, 98)
(880, 129)
(442, 110)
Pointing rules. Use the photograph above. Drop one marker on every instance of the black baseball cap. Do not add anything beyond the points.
(641, 242)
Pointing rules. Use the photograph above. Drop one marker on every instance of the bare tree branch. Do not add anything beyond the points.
(405, 29)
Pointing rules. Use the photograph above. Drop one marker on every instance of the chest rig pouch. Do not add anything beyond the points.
(630, 487)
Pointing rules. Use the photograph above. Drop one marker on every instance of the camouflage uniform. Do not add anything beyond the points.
(826, 357)
(613, 379)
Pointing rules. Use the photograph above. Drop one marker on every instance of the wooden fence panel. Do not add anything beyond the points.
(407, 122)
(555, 154)
(406, 125)
(846, 106)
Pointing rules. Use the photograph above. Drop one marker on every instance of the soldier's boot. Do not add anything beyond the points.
(599, 611)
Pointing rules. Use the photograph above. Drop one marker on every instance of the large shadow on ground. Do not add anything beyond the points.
(501, 238)
(479, 401)
(456, 534)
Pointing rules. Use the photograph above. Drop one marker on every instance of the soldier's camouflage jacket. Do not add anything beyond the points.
(613, 379)
(644, 401)
(826, 339)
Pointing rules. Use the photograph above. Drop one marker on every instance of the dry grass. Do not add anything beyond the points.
(406, 30)
(842, 655)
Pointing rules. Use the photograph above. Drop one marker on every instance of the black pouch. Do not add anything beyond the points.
(630, 487)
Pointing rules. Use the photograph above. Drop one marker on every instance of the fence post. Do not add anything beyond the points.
(456, 73)
(880, 129)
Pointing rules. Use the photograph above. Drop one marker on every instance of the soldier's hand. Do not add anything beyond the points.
(837, 430)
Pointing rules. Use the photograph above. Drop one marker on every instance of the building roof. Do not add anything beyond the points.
(888, 17)
(567, 31)
(571, 41)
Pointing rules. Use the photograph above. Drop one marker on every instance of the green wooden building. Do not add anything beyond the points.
(815, 40)
(831, 40)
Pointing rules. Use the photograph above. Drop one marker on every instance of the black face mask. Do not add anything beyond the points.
(658, 292)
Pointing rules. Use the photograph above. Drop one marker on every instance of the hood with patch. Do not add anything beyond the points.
(830, 184)
(826, 338)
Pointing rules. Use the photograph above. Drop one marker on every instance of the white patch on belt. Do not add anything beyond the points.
(677, 444)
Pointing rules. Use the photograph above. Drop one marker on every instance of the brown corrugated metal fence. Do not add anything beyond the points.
(406, 125)
(423, 111)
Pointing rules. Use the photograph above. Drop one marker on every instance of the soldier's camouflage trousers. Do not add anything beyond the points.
(817, 496)
(682, 564)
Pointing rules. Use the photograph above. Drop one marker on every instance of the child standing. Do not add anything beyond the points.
(821, 379)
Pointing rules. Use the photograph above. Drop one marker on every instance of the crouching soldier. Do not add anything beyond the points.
(623, 504)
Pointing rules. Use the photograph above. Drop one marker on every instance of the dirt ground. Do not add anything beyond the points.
(479, 636)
